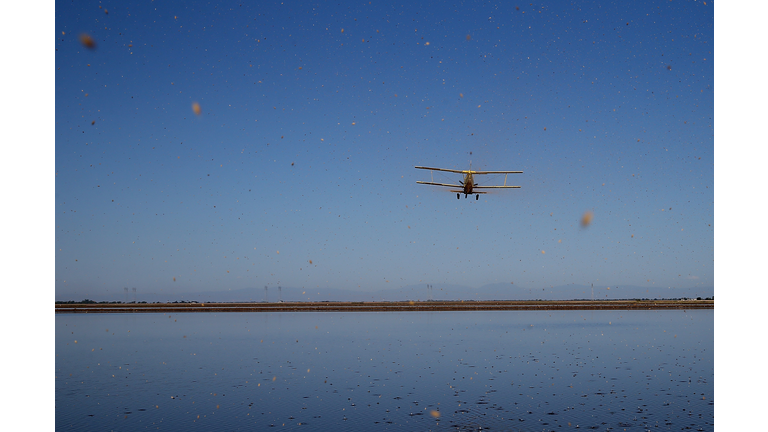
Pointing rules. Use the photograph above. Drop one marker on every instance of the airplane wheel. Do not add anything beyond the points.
(477, 197)
(458, 196)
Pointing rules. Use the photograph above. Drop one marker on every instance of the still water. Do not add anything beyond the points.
(500, 370)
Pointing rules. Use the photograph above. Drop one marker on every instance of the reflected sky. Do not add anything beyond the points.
(355, 371)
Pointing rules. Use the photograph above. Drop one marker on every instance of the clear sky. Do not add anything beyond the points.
(298, 169)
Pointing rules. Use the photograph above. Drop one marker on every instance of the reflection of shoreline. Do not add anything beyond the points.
(424, 306)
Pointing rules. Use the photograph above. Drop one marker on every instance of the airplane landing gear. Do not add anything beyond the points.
(477, 197)
(458, 196)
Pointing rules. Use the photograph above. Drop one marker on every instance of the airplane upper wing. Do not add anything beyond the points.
(440, 184)
(469, 171)
(496, 187)
(496, 172)
(444, 169)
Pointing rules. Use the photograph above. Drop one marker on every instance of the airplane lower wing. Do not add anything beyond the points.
(440, 184)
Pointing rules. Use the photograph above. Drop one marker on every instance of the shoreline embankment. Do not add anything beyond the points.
(404, 306)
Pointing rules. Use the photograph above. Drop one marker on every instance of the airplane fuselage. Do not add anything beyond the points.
(469, 182)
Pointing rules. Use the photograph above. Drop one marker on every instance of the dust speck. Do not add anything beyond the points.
(87, 41)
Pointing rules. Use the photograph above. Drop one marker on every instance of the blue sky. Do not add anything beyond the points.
(314, 115)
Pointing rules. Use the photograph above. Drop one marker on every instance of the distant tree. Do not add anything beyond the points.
(87, 301)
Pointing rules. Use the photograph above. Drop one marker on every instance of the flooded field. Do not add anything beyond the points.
(489, 370)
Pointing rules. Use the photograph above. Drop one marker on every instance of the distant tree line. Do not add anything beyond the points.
(89, 301)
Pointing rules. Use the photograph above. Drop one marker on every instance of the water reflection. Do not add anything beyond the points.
(413, 371)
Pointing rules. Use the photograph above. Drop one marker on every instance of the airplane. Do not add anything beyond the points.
(468, 185)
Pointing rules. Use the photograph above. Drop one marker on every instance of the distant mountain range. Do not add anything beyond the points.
(497, 291)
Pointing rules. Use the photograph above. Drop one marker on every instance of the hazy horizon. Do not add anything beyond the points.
(414, 292)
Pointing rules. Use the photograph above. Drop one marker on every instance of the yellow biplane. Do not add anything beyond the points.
(468, 185)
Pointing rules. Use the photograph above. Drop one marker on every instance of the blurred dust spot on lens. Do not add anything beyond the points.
(196, 108)
(586, 220)
(87, 41)
(435, 414)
